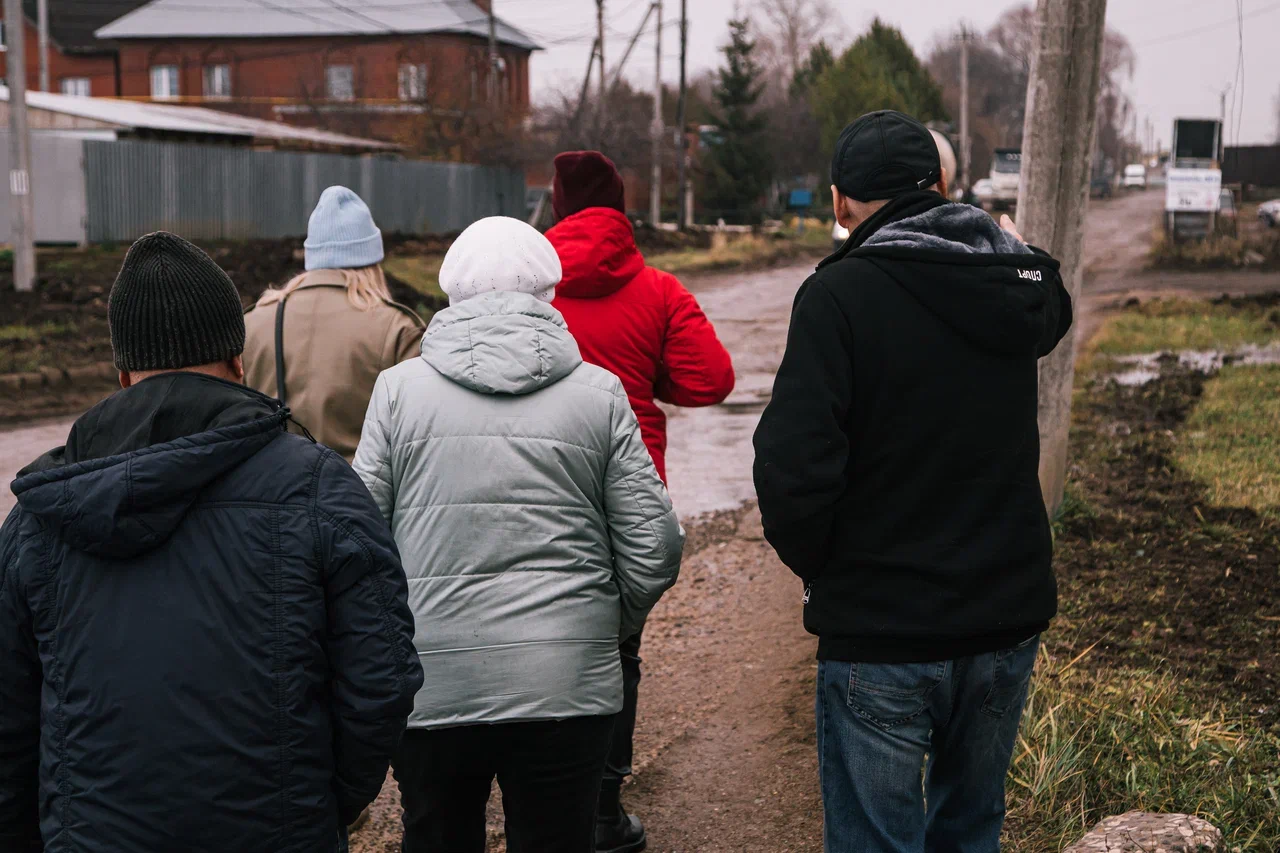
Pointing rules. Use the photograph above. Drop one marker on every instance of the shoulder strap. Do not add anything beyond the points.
(280, 388)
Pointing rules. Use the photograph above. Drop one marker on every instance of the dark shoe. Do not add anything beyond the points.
(622, 833)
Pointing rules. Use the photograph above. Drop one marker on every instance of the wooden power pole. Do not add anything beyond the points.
(1057, 141)
(603, 84)
(682, 137)
(493, 56)
(42, 41)
(965, 181)
(22, 208)
(655, 178)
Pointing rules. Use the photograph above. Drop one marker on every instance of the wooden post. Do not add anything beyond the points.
(1057, 141)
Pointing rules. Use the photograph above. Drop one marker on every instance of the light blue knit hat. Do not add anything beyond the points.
(341, 234)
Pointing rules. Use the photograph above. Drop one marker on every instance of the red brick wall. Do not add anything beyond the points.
(293, 68)
(100, 68)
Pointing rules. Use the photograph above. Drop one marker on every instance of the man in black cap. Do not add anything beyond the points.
(205, 640)
(896, 468)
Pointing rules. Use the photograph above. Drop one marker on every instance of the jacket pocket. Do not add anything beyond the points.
(890, 694)
(1010, 674)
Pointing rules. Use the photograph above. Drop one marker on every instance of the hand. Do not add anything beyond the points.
(1009, 225)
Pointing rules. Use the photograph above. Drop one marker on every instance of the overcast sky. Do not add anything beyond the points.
(1187, 49)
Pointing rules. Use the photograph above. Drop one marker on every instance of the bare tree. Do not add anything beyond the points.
(788, 29)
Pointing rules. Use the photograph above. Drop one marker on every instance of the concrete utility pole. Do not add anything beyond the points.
(962, 179)
(1062, 112)
(22, 207)
(493, 55)
(603, 83)
(682, 137)
(655, 178)
(42, 26)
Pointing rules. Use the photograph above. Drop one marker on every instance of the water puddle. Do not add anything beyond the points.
(1147, 367)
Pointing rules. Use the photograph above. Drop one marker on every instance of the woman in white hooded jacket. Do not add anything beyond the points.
(535, 534)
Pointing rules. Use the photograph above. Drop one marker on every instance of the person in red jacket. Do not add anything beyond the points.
(642, 325)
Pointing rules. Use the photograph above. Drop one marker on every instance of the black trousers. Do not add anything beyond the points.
(624, 728)
(549, 772)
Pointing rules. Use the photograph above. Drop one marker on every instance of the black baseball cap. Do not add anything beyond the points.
(883, 155)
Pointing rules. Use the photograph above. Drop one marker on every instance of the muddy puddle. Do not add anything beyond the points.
(1144, 368)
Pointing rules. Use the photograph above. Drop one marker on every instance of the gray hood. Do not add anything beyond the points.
(501, 343)
(949, 228)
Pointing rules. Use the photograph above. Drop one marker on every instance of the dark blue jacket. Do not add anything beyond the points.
(205, 643)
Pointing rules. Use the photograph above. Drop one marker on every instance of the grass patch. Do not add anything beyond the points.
(1254, 247)
(1232, 439)
(421, 272)
(1100, 743)
(1187, 325)
(754, 250)
(21, 333)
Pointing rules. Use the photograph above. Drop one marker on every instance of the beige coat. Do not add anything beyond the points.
(333, 355)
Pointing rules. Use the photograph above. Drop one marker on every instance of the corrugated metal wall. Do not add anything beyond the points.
(211, 193)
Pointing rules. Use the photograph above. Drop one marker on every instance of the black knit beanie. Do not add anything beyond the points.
(173, 307)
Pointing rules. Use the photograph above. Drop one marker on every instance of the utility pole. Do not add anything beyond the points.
(603, 83)
(22, 208)
(1061, 119)
(42, 26)
(655, 179)
(493, 55)
(962, 179)
(682, 137)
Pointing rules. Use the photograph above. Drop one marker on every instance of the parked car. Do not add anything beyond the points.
(1269, 213)
(1100, 186)
(1135, 176)
(983, 192)
(838, 235)
(1228, 214)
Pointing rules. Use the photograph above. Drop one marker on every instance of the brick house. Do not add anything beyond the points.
(414, 73)
(79, 62)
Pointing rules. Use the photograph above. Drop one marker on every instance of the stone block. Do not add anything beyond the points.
(1144, 832)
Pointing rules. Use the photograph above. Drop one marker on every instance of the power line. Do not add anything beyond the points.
(1239, 17)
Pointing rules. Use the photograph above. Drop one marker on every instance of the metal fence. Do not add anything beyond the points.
(119, 190)
(1257, 165)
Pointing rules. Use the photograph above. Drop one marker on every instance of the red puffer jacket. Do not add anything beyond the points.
(637, 322)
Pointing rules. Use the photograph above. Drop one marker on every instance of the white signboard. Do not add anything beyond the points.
(1193, 191)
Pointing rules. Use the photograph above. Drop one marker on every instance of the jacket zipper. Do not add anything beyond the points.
(808, 590)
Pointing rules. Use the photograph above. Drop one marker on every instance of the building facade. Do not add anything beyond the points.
(79, 62)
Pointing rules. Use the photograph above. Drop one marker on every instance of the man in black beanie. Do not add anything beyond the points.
(205, 642)
(896, 468)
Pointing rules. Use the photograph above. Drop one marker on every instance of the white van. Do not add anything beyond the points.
(1135, 176)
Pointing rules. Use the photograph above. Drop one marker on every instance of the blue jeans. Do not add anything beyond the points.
(913, 757)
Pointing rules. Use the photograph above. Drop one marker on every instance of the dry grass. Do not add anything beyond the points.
(421, 272)
(1254, 247)
(745, 252)
(1099, 743)
(1173, 325)
(1232, 439)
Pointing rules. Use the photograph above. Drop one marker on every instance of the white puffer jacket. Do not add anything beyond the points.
(531, 523)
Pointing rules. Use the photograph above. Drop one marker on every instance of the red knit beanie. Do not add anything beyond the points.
(586, 179)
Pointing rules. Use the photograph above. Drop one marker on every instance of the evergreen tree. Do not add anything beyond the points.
(879, 71)
(736, 167)
(820, 58)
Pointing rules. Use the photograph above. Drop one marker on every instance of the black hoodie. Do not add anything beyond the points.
(205, 638)
(897, 463)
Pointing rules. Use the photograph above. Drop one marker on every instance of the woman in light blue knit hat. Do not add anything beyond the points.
(333, 328)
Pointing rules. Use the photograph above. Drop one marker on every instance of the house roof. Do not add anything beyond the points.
(145, 115)
(73, 22)
(267, 18)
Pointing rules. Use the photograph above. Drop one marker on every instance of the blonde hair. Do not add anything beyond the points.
(366, 287)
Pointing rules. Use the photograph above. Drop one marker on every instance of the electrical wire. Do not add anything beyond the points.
(1265, 10)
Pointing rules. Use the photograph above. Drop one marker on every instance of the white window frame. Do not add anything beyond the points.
(217, 73)
(162, 74)
(413, 81)
(333, 91)
(79, 87)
